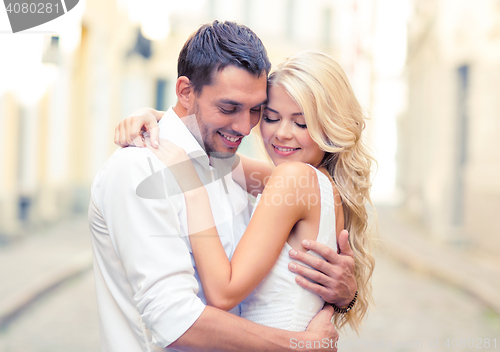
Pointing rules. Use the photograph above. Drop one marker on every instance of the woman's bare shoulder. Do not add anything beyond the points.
(295, 175)
(294, 168)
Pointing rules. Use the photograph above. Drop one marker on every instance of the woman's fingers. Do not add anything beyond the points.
(128, 138)
(117, 136)
(123, 135)
(129, 131)
(169, 153)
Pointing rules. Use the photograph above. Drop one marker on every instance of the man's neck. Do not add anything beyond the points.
(190, 122)
(180, 110)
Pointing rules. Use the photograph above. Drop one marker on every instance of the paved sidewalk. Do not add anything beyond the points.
(41, 261)
(408, 243)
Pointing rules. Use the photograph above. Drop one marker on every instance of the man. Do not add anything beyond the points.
(148, 291)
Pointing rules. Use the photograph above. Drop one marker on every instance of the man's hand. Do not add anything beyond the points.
(320, 333)
(333, 278)
(129, 131)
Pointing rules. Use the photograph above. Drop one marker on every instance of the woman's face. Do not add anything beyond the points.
(284, 131)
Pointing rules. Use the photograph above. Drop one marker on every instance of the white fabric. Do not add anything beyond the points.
(147, 289)
(279, 301)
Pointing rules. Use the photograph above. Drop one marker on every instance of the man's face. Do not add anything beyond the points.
(228, 109)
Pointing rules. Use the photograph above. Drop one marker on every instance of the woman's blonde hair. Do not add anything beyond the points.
(335, 121)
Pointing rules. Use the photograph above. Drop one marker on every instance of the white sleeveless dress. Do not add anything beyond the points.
(279, 301)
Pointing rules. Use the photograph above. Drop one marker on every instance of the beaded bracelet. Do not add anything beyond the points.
(346, 309)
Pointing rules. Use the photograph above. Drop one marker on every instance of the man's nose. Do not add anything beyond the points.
(243, 123)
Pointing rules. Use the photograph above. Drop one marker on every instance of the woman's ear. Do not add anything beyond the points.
(184, 91)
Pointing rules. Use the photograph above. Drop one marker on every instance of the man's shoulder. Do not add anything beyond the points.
(132, 158)
(129, 163)
(128, 155)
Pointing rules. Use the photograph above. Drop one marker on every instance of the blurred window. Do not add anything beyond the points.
(246, 12)
(211, 10)
(327, 27)
(142, 46)
(289, 20)
(51, 52)
(461, 140)
(162, 101)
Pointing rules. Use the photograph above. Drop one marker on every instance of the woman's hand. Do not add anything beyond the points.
(129, 131)
(178, 162)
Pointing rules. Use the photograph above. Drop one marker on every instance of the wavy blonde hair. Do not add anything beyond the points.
(335, 121)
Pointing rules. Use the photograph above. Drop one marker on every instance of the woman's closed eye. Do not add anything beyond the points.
(268, 120)
(301, 125)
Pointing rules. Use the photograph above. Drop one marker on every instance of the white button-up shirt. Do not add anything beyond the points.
(148, 290)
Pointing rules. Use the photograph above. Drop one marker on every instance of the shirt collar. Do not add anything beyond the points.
(173, 129)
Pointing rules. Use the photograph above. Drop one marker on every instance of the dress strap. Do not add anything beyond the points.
(327, 222)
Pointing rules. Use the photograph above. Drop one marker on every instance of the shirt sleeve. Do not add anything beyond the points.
(146, 237)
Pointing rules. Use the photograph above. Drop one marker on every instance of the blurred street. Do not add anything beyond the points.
(63, 320)
(412, 308)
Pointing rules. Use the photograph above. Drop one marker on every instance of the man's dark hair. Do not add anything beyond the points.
(217, 45)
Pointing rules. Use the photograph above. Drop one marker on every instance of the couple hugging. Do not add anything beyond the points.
(192, 267)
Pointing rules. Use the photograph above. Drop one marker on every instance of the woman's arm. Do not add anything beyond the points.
(252, 174)
(226, 283)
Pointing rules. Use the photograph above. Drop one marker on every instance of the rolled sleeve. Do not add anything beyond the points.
(147, 239)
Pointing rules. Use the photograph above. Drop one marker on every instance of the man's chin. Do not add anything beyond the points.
(222, 154)
(219, 150)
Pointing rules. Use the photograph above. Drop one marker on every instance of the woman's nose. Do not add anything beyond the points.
(284, 131)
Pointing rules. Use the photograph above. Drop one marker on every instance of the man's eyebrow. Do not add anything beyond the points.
(229, 102)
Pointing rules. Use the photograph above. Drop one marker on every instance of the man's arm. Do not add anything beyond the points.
(148, 262)
(217, 330)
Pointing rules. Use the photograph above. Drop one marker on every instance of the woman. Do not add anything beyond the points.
(312, 131)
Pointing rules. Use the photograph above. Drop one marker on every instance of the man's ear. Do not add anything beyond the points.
(184, 91)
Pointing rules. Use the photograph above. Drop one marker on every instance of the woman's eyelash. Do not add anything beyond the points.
(267, 119)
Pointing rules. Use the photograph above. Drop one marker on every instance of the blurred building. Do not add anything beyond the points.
(449, 148)
(57, 126)
(57, 120)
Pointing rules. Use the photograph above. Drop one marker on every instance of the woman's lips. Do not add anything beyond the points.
(284, 151)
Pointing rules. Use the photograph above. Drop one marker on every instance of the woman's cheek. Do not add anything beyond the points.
(264, 132)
